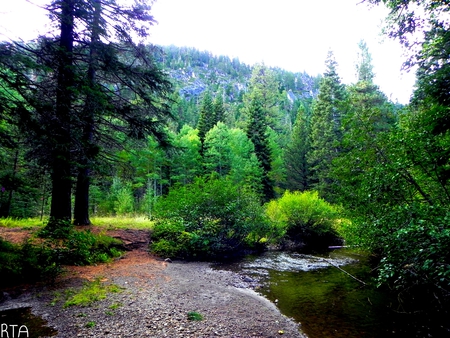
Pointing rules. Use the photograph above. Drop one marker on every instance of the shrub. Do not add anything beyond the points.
(84, 248)
(209, 218)
(414, 256)
(303, 217)
(26, 263)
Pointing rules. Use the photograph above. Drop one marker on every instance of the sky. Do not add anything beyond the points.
(291, 34)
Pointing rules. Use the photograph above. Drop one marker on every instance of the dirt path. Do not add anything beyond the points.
(156, 298)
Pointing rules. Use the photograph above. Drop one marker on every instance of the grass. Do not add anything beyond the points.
(192, 315)
(91, 293)
(10, 222)
(123, 222)
(90, 324)
(112, 222)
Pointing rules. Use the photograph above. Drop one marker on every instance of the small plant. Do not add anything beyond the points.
(90, 293)
(192, 315)
(90, 324)
(115, 306)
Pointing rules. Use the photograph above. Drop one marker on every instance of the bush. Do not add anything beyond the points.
(209, 218)
(26, 263)
(84, 248)
(304, 218)
(414, 256)
(32, 262)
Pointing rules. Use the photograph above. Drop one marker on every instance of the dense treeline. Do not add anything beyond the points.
(213, 149)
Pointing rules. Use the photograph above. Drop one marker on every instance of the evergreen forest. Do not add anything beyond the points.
(225, 157)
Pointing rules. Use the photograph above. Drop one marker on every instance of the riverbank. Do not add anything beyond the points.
(156, 299)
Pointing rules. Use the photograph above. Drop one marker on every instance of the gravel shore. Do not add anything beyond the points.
(156, 299)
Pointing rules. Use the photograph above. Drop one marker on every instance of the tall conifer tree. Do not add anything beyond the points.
(295, 155)
(206, 120)
(326, 127)
(256, 132)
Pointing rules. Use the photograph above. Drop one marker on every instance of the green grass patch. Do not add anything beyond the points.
(195, 316)
(115, 306)
(91, 292)
(116, 222)
(10, 222)
(122, 222)
(90, 324)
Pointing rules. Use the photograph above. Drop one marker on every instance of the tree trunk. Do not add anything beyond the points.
(81, 211)
(61, 176)
(7, 209)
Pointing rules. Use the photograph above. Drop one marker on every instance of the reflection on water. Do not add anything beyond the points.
(328, 302)
(21, 322)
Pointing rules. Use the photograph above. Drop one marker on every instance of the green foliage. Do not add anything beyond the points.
(85, 248)
(79, 247)
(90, 293)
(303, 217)
(90, 324)
(26, 263)
(192, 315)
(325, 127)
(296, 152)
(416, 254)
(122, 222)
(210, 218)
(229, 152)
(11, 222)
(57, 229)
(186, 162)
(207, 118)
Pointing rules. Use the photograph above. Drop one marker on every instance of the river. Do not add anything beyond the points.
(326, 294)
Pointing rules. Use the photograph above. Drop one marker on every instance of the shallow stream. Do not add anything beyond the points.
(328, 302)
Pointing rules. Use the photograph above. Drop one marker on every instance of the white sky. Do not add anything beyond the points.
(290, 34)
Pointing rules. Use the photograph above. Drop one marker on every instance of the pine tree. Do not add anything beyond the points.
(60, 209)
(206, 120)
(364, 67)
(256, 132)
(295, 155)
(264, 81)
(82, 96)
(136, 93)
(326, 127)
(219, 110)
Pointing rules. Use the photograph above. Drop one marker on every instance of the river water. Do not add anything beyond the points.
(328, 302)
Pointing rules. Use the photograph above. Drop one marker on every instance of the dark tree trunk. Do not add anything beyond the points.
(81, 211)
(61, 176)
(7, 210)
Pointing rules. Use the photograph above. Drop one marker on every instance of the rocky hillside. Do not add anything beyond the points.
(195, 71)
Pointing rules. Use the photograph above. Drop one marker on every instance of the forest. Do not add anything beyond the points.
(225, 157)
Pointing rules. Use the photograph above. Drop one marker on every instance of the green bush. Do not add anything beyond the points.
(304, 218)
(209, 218)
(414, 256)
(84, 248)
(26, 263)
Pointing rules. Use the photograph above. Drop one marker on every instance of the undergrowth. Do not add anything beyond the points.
(90, 293)
(41, 259)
